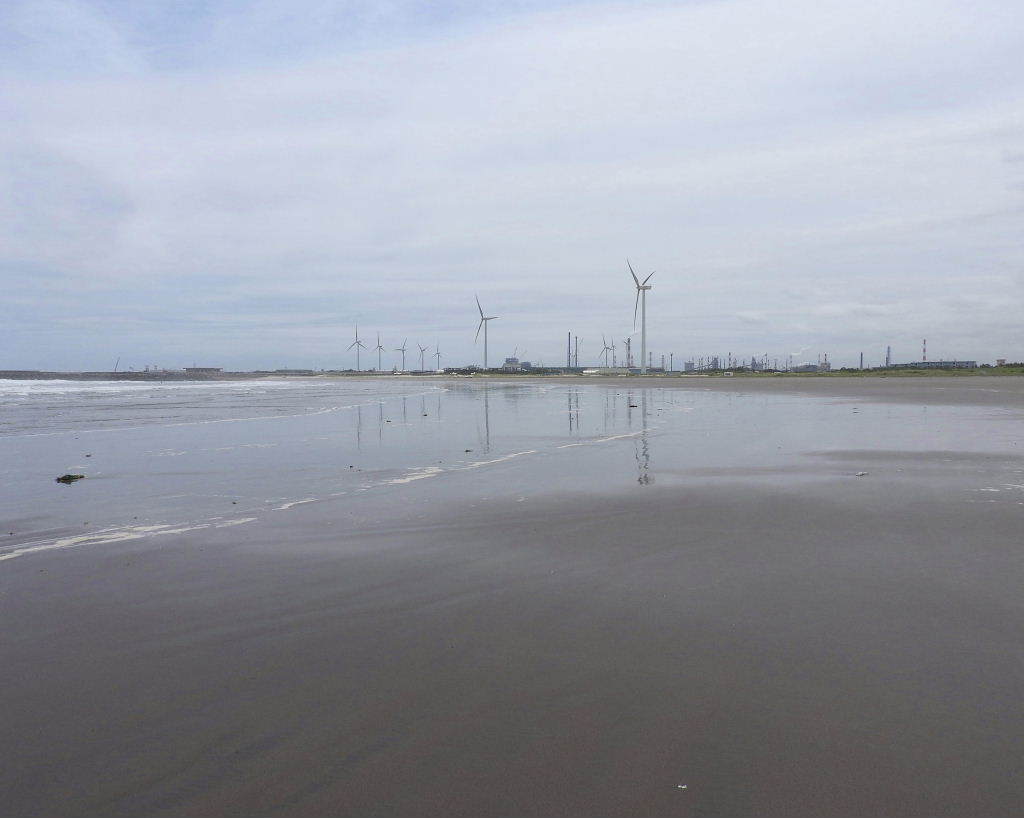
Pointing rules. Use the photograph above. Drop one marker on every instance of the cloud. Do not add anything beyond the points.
(821, 174)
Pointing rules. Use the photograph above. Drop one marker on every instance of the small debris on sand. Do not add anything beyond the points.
(70, 478)
(861, 474)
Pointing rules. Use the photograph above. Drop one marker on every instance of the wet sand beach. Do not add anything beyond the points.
(705, 613)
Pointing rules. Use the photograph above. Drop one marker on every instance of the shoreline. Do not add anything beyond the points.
(675, 376)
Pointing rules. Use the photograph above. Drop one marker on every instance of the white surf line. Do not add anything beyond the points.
(107, 535)
(480, 463)
(325, 410)
(601, 439)
(111, 535)
(293, 503)
(415, 474)
(322, 411)
(240, 446)
(225, 524)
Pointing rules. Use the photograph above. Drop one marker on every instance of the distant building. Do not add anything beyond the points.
(609, 370)
(689, 366)
(938, 365)
(805, 367)
(1000, 361)
(203, 370)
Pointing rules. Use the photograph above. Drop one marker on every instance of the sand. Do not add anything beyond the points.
(761, 647)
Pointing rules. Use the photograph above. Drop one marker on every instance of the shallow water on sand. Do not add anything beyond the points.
(418, 597)
(160, 456)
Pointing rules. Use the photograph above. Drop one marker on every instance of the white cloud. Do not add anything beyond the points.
(808, 173)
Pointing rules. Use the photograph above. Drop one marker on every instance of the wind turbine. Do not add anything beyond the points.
(378, 349)
(614, 362)
(483, 323)
(358, 345)
(402, 349)
(423, 349)
(437, 355)
(605, 349)
(641, 301)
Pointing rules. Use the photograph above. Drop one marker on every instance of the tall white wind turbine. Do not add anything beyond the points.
(402, 349)
(378, 349)
(358, 345)
(483, 323)
(437, 354)
(605, 349)
(641, 301)
(423, 349)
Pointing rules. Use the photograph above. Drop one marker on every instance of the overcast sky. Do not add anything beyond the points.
(239, 183)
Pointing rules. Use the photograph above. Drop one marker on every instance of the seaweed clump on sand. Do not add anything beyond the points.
(70, 478)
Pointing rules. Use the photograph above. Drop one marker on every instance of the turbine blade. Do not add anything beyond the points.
(478, 306)
(648, 278)
(637, 280)
(478, 328)
(636, 307)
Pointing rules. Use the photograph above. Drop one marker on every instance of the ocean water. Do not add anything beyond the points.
(163, 457)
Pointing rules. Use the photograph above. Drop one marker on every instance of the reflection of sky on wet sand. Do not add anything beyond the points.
(180, 453)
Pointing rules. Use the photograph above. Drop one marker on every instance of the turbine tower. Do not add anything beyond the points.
(402, 349)
(437, 354)
(641, 301)
(423, 349)
(605, 349)
(358, 345)
(378, 349)
(483, 324)
(614, 362)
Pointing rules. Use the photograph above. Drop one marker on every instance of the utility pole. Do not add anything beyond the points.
(862, 360)
(671, 362)
(568, 352)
